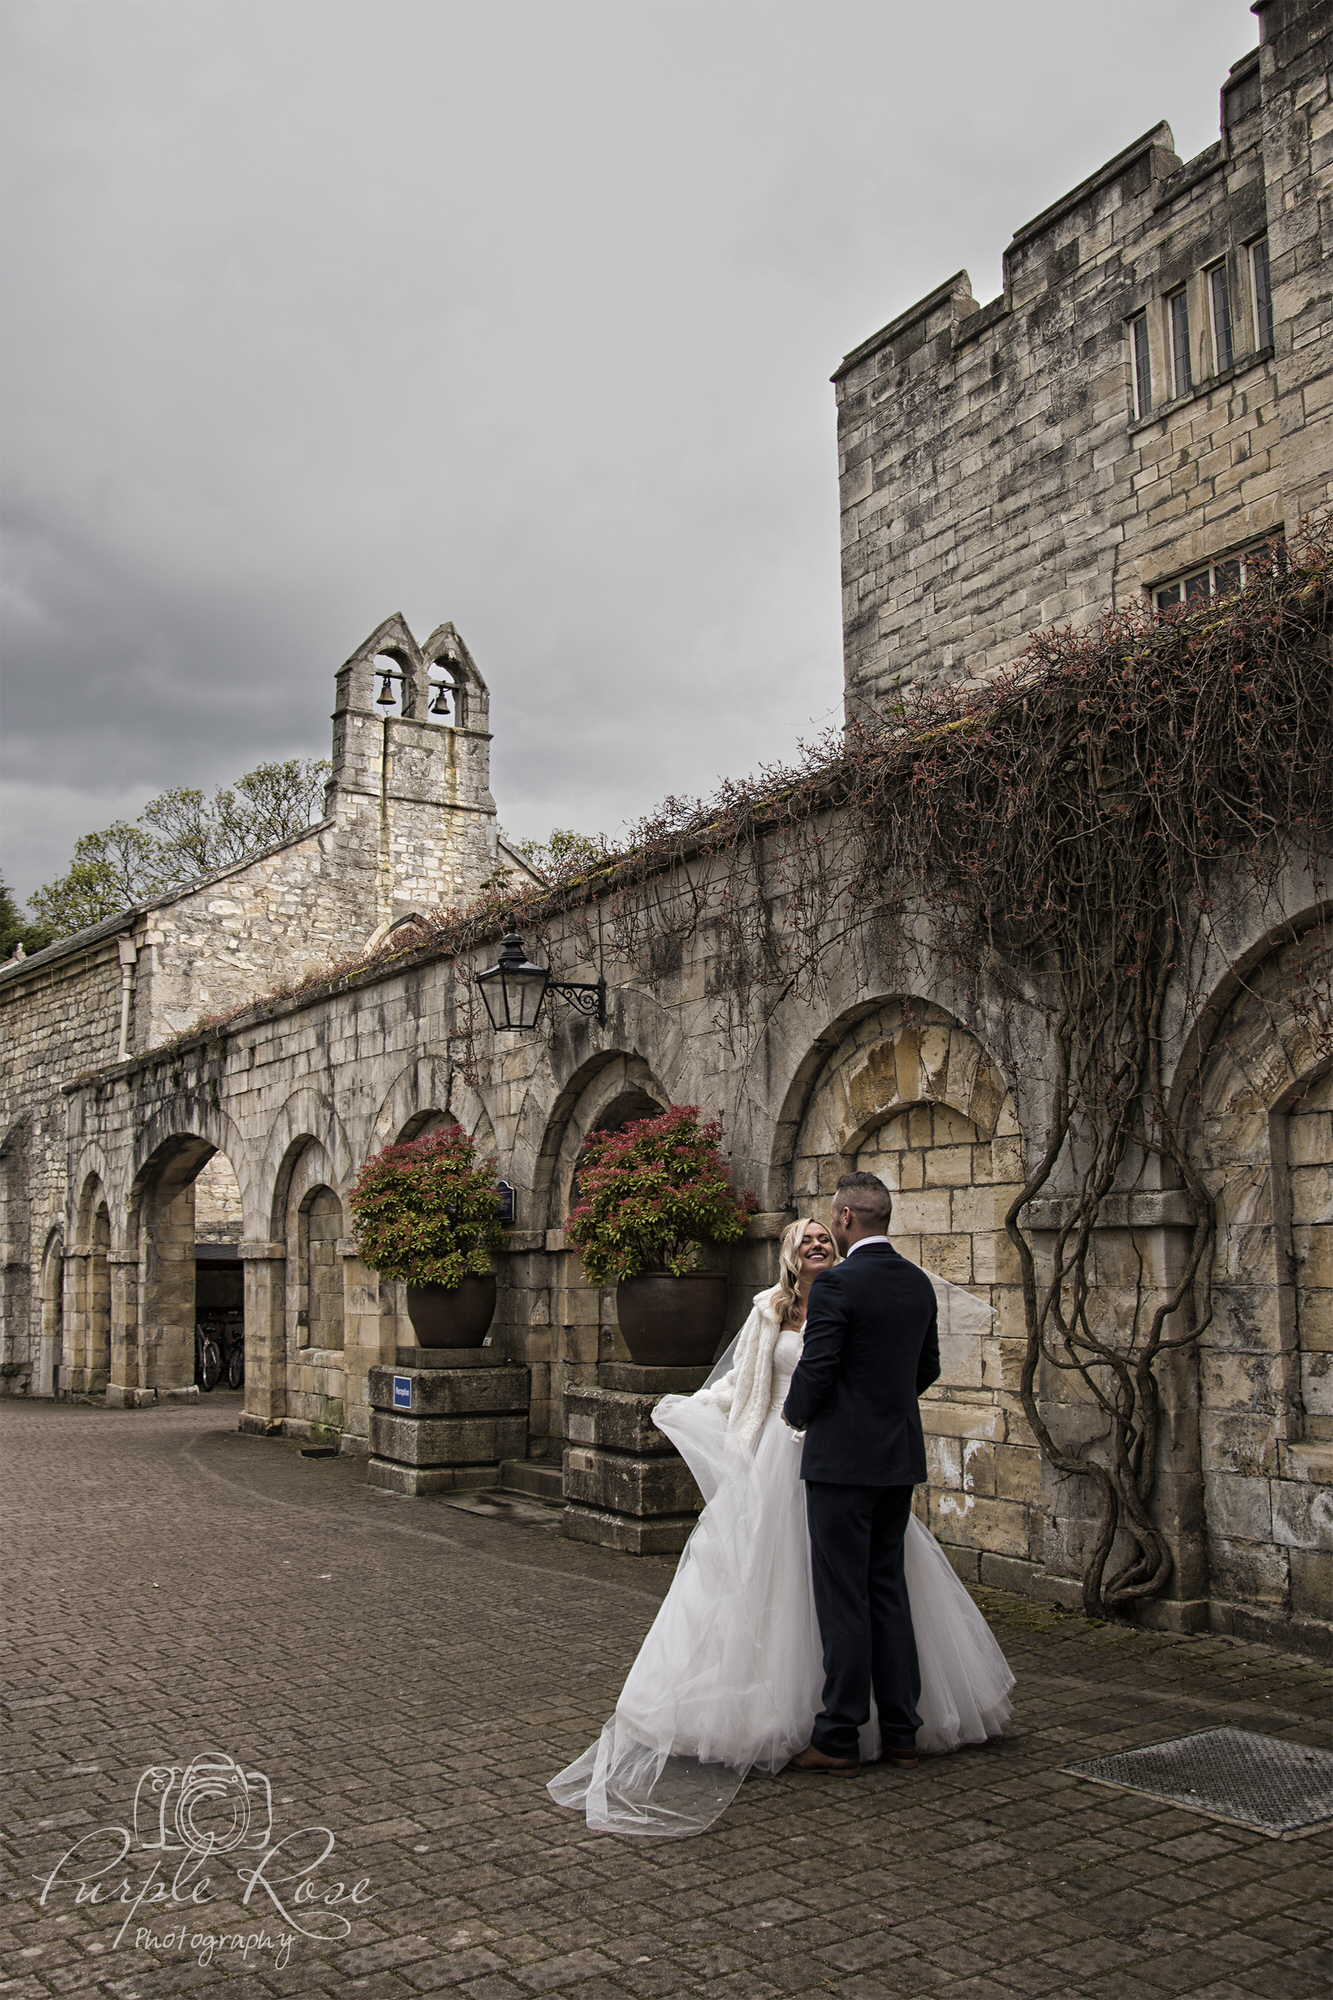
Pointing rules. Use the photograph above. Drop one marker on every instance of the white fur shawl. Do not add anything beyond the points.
(746, 1390)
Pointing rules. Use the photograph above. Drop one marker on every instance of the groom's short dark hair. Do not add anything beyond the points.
(867, 1196)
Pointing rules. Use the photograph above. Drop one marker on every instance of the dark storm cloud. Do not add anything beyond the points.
(519, 315)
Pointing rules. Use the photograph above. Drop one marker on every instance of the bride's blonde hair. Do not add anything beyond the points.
(789, 1266)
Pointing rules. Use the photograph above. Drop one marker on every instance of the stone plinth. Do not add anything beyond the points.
(626, 1486)
(446, 1421)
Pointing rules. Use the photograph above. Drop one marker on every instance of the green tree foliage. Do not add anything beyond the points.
(651, 1194)
(14, 932)
(425, 1212)
(562, 855)
(179, 836)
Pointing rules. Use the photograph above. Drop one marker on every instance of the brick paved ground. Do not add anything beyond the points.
(408, 1675)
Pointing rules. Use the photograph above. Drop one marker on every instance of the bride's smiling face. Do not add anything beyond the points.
(817, 1251)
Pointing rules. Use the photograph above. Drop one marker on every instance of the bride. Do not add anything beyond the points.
(730, 1676)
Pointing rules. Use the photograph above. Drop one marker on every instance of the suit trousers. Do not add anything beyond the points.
(865, 1618)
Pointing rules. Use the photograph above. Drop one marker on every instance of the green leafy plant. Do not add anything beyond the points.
(652, 1194)
(426, 1211)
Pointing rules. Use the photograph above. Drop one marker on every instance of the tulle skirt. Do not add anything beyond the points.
(730, 1676)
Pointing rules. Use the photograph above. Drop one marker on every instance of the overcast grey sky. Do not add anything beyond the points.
(516, 314)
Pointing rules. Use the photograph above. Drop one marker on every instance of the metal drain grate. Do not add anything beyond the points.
(1257, 1781)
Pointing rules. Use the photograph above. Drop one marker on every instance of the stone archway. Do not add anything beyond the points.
(563, 1327)
(904, 1091)
(1262, 1129)
(51, 1300)
(317, 1319)
(86, 1368)
(16, 1342)
(154, 1302)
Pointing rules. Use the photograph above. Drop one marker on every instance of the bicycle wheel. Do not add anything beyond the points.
(210, 1362)
(236, 1367)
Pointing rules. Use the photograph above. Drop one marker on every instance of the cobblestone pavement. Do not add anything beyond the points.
(408, 1675)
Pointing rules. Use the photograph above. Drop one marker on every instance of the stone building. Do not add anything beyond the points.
(1002, 467)
(1150, 395)
(409, 823)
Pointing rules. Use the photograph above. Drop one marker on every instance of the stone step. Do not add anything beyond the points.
(529, 1475)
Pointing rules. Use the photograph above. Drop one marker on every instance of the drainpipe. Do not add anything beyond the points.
(128, 956)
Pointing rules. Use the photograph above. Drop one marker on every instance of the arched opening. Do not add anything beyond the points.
(51, 1349)
(626, 1109)
(91, 1346)
(219, 1278)
(1309, 1154)
(320, 1322)
(905, 1092)
(317, 1304)
(16, 1342)
(185, 1215)
(569, 1325)
(1261, 1126)
(394, 683)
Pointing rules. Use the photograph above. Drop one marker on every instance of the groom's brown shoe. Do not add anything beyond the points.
(899, 1760)
(811, 1759)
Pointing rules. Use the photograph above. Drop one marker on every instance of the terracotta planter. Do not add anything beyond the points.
(443, 1316)
(672, 1322)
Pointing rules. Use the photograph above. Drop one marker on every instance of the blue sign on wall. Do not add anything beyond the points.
(402, 1392)
(508, 1202)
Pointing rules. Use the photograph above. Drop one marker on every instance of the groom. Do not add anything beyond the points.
(871, 1348)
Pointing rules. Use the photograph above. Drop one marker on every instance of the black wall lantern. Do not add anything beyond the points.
(514, 989)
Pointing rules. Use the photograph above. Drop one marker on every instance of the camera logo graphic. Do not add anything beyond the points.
(209, 1806)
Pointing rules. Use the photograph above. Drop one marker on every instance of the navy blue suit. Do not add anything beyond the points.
(871, 1348)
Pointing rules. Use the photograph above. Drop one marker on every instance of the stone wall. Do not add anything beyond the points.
(56, 1020)
(997, 473)
(853, 1073)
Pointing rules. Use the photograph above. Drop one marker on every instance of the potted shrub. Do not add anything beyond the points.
(427, 1212)
(649, 1197)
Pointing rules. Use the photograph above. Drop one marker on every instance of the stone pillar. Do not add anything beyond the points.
(166, 1300)
(265, 1335)
(523, 1330)
(626, 1486)
(443, 1418)
(125, 1389)
(370, 1340)
(73, 1363)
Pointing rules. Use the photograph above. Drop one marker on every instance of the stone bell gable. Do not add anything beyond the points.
(411, 777)
(1149, 397)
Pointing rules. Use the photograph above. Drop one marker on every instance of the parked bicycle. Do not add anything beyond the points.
(219, 1352)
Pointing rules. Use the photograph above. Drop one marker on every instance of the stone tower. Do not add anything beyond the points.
(411, 768)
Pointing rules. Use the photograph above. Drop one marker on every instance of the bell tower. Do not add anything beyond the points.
(411, 768)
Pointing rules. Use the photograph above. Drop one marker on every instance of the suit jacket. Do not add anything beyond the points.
(871, 1348)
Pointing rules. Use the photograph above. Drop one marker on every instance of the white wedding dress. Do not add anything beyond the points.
(730, 1676)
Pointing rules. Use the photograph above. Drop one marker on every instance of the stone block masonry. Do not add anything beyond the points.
(1151, 393)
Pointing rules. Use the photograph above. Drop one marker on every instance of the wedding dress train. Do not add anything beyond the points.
(730, 1676)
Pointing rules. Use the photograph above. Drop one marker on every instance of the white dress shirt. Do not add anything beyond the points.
(861, 1242)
